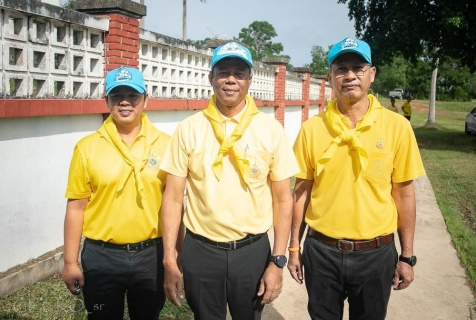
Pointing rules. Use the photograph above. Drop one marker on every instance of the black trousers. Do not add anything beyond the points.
(363, 277)
(214, 277)
(110, 275)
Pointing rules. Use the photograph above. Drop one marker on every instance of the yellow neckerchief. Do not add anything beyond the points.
(346, 135)
(109, 131)
(227, 143)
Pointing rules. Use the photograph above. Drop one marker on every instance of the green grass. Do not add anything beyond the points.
(449, 156)
(49, 299)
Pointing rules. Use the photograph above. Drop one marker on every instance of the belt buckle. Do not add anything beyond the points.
(231, 245)
(129, 250)
(342, 241)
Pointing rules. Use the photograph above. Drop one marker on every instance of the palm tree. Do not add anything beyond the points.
(184, 26)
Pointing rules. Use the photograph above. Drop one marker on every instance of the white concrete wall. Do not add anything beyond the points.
(35, 154)
(34, 159)
(313, 110)
(167, 121)
(292, 122)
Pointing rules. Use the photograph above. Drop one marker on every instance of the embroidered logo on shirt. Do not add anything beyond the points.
(380, 144)
(154, 161)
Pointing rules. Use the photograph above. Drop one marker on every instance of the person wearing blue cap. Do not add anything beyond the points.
(236, 164)
(354, 191)
(114, 196)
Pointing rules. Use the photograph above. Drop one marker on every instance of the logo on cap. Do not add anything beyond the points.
(232, 47)
(349, 43)
(123, 76)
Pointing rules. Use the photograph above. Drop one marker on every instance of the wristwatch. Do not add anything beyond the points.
(411, 261)
(279, 260)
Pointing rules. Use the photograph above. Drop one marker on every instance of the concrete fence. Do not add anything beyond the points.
(52, 66)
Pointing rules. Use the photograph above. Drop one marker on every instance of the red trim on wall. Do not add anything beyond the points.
(15, 108)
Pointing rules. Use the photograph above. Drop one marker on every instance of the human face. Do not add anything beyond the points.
(126, 105)
(351, 77)
(230, 79)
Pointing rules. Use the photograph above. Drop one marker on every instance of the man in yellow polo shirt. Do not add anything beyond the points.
(114, 197)
(355, 189)
(236, 163)
(407, 108)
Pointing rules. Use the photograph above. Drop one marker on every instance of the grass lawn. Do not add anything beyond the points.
(49, 299)
(449, 156)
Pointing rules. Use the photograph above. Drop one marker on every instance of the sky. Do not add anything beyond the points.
(300, 24)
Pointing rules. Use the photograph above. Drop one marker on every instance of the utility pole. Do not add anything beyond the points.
(142, 20)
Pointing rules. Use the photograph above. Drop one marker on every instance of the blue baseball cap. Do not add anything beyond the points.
(129, 77)
(350, 45)
(232, 50)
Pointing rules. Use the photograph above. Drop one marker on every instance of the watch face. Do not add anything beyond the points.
(411, 261)
(280, 260)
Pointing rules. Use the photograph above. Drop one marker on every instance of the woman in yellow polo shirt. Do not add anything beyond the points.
(114, 196)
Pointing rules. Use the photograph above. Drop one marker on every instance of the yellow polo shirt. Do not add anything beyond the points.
(228, 210)
(347, 205)
(407, 109)
(96, 171)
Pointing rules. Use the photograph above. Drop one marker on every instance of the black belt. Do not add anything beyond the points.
(129, 247)
(232, 245)
(352, 245)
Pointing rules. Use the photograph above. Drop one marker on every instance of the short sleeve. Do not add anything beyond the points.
(78, 179)
(284, 163)
(306, 170)
(176, 157)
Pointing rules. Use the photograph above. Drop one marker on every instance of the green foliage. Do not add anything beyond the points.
(258, 36)
(455, 82)
(319, 60)
(68, 4)
(200, 44)
(444, 27)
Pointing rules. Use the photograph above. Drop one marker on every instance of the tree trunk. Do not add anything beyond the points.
(184, 23)
(431, 110)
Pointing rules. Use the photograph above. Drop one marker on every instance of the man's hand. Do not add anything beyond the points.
(71, 274)
(403, 276)
(295, 266)
(271, 284)
(173, 284)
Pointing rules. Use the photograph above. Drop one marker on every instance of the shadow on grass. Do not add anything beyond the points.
(434, 137)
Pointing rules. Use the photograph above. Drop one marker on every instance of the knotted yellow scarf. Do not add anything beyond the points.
(346, 135)
(109, 131)
(227, 143)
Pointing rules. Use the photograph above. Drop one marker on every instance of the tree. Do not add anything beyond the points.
(69, 4)
(184, 19)
(200, 44)
(258, 38)
(391, 27)
(444, 28)
(319, 60)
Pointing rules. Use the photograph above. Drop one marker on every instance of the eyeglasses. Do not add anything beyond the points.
(359, 71)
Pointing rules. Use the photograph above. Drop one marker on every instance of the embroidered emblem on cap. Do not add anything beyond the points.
(349, 43)
(123, 76)
(380, 144)
(232, 47)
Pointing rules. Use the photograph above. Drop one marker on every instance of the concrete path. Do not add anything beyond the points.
(439, 291)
